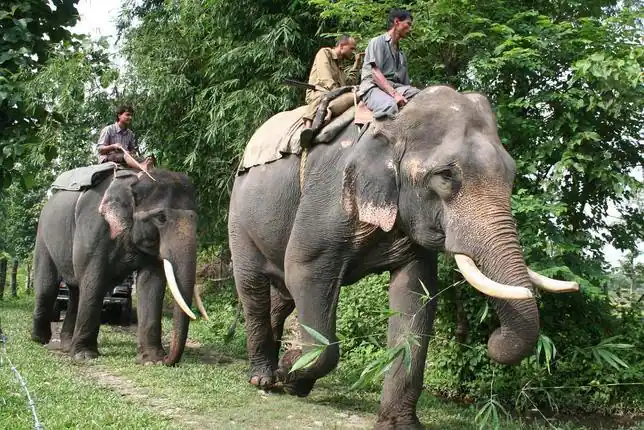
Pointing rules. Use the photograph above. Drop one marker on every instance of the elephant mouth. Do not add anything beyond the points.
(491, 288)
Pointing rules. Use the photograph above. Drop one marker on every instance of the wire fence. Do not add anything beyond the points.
(5, 356)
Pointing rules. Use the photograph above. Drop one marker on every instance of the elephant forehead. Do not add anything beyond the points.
(416, 169)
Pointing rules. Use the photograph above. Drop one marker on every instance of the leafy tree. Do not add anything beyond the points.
(29, 28)
(73, 83)
(566, 84)
(204, 75)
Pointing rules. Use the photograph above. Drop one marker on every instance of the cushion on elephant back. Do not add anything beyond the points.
(280, 135)
(85, 177)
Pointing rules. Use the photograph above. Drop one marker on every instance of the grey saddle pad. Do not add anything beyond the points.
(84, 177)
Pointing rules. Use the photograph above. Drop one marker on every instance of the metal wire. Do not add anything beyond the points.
(32, 404)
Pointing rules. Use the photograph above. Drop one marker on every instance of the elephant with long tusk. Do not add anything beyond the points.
(389, 197)
(94, 236)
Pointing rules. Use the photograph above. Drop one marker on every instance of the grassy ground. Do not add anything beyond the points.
(208, 390)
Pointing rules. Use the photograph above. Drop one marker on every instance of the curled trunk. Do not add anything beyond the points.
(501, 260)
(178, 246)
(181, 321)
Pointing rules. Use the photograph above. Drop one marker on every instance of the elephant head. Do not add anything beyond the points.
(158, 218)
(439, 173)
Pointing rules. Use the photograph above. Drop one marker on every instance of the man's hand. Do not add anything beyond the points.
(358, 59)
(107, 149)
(400, 100)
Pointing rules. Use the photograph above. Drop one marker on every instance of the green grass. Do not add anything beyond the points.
(63, 397)
(207, 390)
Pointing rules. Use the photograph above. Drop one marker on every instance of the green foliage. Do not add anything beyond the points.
(488, 415)
(204, 75)
(29, 28)
(221, 306)
(71, 84)
(362, 325)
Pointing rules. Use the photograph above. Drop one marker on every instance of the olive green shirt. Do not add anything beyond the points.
(327, 72)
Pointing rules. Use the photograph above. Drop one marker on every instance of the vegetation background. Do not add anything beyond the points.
(565, 79)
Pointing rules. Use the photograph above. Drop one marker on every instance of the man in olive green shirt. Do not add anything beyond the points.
(327, 72)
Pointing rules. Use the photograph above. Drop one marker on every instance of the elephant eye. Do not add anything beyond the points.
(161, 218)
(446, 174)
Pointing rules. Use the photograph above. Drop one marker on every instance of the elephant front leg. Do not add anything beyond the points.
(150, 287)
(414, 321)
(84, 343)
(316, 299)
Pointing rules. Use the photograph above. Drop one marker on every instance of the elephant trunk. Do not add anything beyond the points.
(179, 253)
(488, 253)
(501, 259)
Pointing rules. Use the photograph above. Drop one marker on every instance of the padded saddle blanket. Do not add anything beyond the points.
(280, 135)
(85, 177)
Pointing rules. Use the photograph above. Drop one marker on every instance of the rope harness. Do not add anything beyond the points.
(305, 151)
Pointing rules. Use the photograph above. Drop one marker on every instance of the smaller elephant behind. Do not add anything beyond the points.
(93, 238)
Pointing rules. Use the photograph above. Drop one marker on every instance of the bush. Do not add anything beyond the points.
(362, 324)
(584, 340)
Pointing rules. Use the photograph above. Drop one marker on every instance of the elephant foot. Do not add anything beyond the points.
(81, 355)
(261, 377)
(410, 422)
(41, 333)
(150, 356)
(65, 343)
(294, 384)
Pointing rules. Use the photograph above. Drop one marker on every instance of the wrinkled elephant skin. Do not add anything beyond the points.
(435, 178)
(93, 239)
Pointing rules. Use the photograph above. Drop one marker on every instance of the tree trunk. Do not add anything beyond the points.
(28, 278)
(14, 278)
(3, 275)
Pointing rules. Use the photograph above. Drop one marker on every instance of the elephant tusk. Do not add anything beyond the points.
(174, 289)
(552, 285)
(491, 288)
(200, 305)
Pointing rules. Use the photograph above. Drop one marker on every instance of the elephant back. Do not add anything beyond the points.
(83, 178)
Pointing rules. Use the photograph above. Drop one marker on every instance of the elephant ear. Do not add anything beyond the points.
(370, 182)
(117, 205)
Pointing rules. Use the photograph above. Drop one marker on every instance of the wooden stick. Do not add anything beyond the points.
(136, 163)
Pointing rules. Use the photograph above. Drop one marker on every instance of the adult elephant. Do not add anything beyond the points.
(92, 239)
(434, 178)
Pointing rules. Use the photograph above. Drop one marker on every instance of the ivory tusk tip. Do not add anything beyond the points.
(552, 285)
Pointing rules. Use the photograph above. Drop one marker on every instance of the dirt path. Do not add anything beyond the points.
(127, 388)
(278, 411)
(142, 397)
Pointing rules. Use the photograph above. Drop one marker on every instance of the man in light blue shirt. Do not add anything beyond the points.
(385, 85)
(117, 136)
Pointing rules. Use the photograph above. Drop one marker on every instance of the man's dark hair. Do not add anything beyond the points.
(401, 14)
(123, 108)
(344, 38)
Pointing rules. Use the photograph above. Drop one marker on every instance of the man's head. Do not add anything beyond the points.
(124, 115)
(345, 46)
(400, 21)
